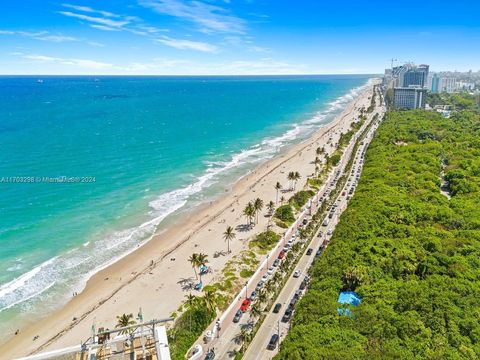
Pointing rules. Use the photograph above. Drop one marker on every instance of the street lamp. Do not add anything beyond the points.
(246, 290)
(267, 259)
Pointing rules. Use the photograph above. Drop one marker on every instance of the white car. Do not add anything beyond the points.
(271, 270)
(297, 273)
(329, 232)
(265, 277)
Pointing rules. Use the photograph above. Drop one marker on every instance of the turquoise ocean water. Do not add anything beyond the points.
(147, 148)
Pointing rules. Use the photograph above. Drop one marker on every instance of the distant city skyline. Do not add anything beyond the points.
(229, 37)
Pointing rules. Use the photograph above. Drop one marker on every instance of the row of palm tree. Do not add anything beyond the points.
(293, 176)
(197, 260)
(252, 209)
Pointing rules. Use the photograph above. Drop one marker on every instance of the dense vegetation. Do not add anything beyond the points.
(460, 101)
(301, 198)
(285, 214)
(265, 240)
(412, 254)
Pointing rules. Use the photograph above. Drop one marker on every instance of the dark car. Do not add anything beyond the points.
(276, 262)
(305, 221)
(319, 252)
(292, 303)
(210, 355)
(238, 316)
(277, 308)
(272, 344)
(309, 251)
(281, 255)
(288, 314)
(303, 285)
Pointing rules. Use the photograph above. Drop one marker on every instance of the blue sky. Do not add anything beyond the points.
(235, 36)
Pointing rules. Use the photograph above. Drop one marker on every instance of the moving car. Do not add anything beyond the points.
(238, 316)
(329, 232)
(272, 344)
(297, 273)
(245, 305)
(309, 251)
(277, 308)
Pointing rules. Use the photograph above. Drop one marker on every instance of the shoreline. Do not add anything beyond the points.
(121, 284)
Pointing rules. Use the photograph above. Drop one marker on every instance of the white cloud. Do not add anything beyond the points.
(188, 44)
(97, 20)
(102, 27)
(56, 38)
(81, 63)
(90, 10)
(208, 17)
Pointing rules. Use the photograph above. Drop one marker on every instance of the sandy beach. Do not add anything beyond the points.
(153, 276)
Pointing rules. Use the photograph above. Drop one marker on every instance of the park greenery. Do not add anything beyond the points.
(458, 101)
(285, 214)
(301, 198)
(265, 240)
(411, 252)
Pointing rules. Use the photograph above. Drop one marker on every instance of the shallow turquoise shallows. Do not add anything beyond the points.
(138, 152)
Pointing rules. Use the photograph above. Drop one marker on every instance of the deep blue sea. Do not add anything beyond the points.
(137, 152)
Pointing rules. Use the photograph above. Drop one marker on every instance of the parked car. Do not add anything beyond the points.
(292, 303)
(210, 355)
(259, 285)
(245, 304)
(325, 222)
(277, 308)
(309, 251)
(272, 344)
(276, 262)
(303, 285)
(265, 277)
(287, 316)
(297, 273)
(305, 221)
(271, 270)
(253, 295)
(319, 252)
(238, 316)
(281, 255)
(298, 293)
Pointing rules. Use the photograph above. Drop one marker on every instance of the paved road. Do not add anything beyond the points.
(225, 340)
(272, 323)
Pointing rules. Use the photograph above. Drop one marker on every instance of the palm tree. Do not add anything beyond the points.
(262, 297)
(278, 187)
(201, 259)
(271, 207)
(228, 235)
(319, 151)
(191, 301)
(255, 311)
(210, 300)
(258, 206)
(291, 178)
(296, 177)
(193, 260)
(125, 320)
(245, 336)
(249, 212)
